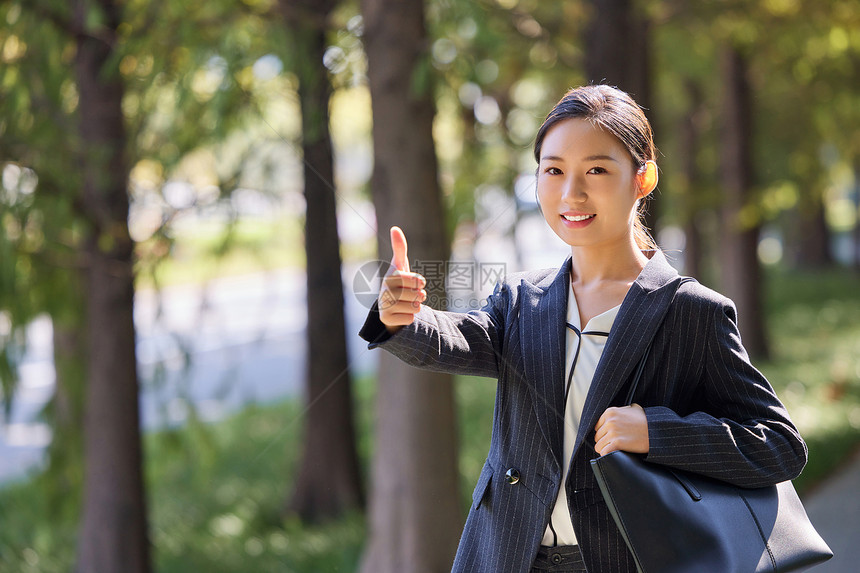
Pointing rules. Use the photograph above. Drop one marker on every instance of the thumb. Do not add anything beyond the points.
(398, 246)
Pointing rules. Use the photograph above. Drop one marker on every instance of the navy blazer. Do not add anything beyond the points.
(709, 410)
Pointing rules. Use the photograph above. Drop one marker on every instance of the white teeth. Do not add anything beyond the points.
(578, 217)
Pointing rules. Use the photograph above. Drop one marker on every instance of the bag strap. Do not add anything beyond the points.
(640, 368)
(638, 376)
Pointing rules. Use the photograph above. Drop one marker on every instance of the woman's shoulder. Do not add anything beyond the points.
(510, 286)
(694, 293)
(534, 276)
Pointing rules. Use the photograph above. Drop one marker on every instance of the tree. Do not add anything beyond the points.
(415, 517)
(43, 271)
(741, 273)
(66, 96)
(113, 535)
(328, 481)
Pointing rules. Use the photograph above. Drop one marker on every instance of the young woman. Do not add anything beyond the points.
(564, 343)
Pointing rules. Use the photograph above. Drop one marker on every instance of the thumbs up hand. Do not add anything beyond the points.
(402, 291)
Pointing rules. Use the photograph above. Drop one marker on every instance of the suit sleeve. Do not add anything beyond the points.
(745, 436)
(455, 342)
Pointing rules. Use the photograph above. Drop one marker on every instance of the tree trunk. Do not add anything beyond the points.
(813, 248)
(415, 514)
(608, 42)
(329, 479)
(741, 273)
(617, 49)
(618, 52)
(113, 534)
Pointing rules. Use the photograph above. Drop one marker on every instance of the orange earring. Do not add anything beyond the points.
(647, 178)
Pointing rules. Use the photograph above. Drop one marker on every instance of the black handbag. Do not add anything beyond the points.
(679, 522)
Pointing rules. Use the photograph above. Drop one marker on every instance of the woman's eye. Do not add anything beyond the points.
(596, 170)
(552, 171)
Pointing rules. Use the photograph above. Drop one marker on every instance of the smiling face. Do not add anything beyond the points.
(587, 185)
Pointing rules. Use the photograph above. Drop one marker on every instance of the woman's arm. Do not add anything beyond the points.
(746, 436)
(460, 343)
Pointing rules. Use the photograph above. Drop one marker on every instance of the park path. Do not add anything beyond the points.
(834, 508)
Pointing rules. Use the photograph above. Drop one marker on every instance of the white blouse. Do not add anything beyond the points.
(583, 348)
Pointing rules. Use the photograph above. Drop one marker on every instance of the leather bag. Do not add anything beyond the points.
(679, 522)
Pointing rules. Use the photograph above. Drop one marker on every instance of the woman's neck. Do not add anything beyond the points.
(595, 265)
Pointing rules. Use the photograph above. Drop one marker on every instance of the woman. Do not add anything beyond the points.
(563, 344)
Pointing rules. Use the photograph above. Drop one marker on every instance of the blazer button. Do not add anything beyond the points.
(512, 476)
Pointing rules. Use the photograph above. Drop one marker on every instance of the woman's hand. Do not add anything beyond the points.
(624, 429)
(402, 292)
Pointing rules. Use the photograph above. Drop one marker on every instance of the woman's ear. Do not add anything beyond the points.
(647, 178)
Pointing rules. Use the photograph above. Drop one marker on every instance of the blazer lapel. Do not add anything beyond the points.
(639, 317)
(542, 334)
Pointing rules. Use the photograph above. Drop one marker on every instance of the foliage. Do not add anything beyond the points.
(803, 61)
(38, 231)
(502, 66)
(503, 63)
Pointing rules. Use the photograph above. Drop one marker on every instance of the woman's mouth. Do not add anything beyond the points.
(578, 218)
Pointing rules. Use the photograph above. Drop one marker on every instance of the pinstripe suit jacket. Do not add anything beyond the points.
(709, 410)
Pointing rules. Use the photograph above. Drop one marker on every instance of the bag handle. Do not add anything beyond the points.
(640, 368)
(638, 376)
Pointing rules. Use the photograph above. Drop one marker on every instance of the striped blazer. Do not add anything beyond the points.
(708, 409)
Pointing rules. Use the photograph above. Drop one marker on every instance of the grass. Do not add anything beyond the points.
(215, 494)
(814, 326)
(217, 498)
(209, 250)
(216, 491)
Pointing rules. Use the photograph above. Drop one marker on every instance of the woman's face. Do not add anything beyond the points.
(587, 185)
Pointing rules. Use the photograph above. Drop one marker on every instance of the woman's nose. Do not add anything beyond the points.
(574, 191)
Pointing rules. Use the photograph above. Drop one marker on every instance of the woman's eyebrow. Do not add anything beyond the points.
(600, 157)
(551, 158)
(589, 158)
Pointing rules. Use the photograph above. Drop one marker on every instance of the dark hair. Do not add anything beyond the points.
(614, 111)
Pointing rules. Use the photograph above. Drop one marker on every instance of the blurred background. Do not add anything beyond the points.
(195, 197)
